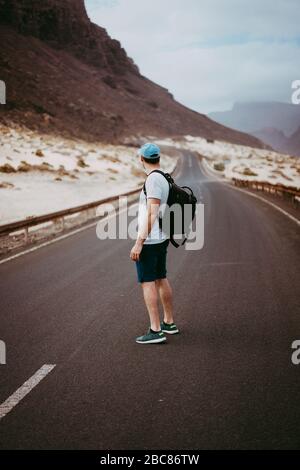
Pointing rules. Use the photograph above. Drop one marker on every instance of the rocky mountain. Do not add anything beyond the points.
(251, 117)
(64, 74)
(273, 137)
(279, 141)
(294, 143)
(272, 122)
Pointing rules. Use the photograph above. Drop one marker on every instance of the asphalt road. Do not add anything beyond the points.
(226, 382)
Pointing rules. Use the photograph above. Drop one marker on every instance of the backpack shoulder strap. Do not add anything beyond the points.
(175, 243)
(166, 175)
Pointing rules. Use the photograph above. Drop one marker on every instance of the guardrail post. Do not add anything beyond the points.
(288, 193)
(26, 235)
(91, 212)
(59, 223)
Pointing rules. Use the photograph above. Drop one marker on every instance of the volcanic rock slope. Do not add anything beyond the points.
(64, 74)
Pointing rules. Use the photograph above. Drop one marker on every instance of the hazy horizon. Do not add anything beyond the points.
(208, 53)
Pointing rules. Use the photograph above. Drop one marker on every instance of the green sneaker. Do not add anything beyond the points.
(169, 328)
(151, 338)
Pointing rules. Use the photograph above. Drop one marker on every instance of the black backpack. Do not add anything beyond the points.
(181, 196)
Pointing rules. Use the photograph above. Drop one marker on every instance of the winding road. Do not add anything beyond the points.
(226, 382)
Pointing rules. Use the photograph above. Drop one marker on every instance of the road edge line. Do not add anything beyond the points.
(62, 237)
(287, 214)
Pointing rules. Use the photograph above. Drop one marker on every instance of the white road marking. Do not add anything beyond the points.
(287, 214)
(21, 393)
(67, 235)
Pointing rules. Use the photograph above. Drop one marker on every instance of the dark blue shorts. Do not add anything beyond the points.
(152, 262)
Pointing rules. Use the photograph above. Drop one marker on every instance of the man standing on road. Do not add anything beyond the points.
(150, 249)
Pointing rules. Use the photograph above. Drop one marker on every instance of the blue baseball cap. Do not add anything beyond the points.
(149, 151)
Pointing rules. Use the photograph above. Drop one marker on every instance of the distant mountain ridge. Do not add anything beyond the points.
(65, 74)
(253, 116)
(277, 124)
(273, 137)
(294, 143)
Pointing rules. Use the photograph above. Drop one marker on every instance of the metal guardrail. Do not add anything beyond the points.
(287, 192)
(58, 217)
(25, 224)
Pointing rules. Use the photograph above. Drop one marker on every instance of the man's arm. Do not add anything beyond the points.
(153, 205)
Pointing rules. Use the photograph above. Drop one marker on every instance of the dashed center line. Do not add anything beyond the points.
(21, 393)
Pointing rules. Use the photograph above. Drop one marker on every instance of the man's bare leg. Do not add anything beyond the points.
(151, 301)
(166, 297)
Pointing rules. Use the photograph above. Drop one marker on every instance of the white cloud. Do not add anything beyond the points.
(209, 53)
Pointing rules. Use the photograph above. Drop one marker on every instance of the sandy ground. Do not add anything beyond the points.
(244, 162)
(41, 174)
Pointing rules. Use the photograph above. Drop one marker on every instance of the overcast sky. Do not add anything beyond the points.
(209, 53)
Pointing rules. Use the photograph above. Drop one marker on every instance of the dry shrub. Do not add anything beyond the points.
(109, 158)
(39, 153)
(81, 163)
(24, 167)
(249, 172)
(219, 166)
(6, 185)
(7, 168)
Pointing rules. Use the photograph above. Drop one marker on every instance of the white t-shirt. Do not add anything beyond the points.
(156, 187)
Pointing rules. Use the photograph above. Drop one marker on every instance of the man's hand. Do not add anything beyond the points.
(136, 251)
(152, 211)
